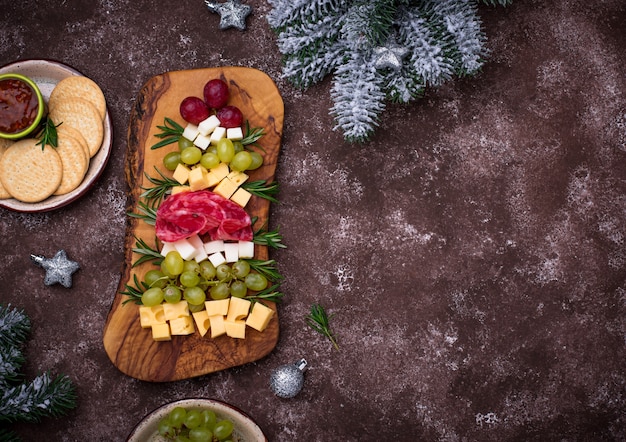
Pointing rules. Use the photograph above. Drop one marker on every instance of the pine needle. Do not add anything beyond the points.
(318, 320)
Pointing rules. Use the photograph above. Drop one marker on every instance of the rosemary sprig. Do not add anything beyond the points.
(318, 320)
(147, 253)
(269, 294)
(170, 133)
(262, 189)
(266, 268)
(162, 186)
(253, 135)
(133, 293)
(48, 134)
(148, 214)
(271, 239)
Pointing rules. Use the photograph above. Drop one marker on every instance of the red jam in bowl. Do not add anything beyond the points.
(19, 105)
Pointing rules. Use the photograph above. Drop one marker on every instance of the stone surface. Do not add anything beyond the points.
(472, 253)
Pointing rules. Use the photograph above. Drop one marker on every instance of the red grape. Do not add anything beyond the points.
(216, 93)
(194, 110)
(230, 116)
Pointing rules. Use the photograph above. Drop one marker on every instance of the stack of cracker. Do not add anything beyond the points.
(31, 174)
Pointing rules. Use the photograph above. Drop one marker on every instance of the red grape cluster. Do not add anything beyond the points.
(194, 110)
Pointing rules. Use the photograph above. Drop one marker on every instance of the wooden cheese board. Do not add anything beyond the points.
(130, 347)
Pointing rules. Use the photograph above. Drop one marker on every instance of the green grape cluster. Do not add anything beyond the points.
(178, 279)
(182, 425)
(226, 151)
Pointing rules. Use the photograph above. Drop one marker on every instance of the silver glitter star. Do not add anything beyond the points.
(390, 55)
(58, 269)
(233, 14)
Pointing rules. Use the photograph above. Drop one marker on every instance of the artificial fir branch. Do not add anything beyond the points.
(439, 39)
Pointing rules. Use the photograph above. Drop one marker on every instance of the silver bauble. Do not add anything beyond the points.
(287, 380)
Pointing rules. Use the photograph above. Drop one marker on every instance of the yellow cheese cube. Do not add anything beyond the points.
(235, 329)
(213, 179)
(173, 311)
(202, 321)
(217, 307)
(237, 177)
(238, 309)
(198, 179)
(217, 326)
(241, 197)
(182, 326)
(161, 332)
(181, 174)
(148, 316)
(220, 171)
(259, 317)
(225, 188)
(179, 189)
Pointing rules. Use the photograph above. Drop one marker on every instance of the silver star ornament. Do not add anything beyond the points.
(390, 56)
(233, 14)
(58, 269)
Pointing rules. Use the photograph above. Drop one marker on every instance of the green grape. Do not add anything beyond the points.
(220, 291)
(223, 271)
(166, 271)
(257, 161)
(238, 289)
(212, 148)
(173, 263)
(166, 429)
(238, 146)
(172, 294)
(184, 143)
(200, 434)
(191, 155)
(209, 160)
(256, 281)
(193, 308)
(191, 266)
(241, 268)
(241, 161)
(225, 150)
(182, 438)
(177, 417)
(223, 429)
(193, 419)
(151, 297)
(189, 279)
(155, 278)
(171, 160)
(194, 295)
(209, 419)
(207, 270)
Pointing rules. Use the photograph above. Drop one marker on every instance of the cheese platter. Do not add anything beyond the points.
(127, 341)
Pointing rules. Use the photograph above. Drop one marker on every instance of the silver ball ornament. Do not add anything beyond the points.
(287, 380)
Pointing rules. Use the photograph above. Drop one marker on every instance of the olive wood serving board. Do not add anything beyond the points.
(131, 348)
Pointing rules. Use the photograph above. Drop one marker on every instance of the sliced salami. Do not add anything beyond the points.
(202, 212)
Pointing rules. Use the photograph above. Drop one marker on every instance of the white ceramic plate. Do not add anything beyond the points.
(245, 429)
(47, 73)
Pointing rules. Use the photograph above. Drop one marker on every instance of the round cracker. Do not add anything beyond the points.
(28, 172)
(79, 87)
(82, 116)
(69, 131)
(4, 145)
(75, 163)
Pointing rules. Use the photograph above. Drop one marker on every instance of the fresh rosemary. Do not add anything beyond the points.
(271, 239)
(148, 214)
(133, 293)
(252, 135)
(266, 268)
(48, 134)
(170, 133)
(262, 189)
(269, 294)
(162, 186)
(147, 253)
(318, 320)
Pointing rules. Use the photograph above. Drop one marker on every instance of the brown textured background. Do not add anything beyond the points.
(472, 254)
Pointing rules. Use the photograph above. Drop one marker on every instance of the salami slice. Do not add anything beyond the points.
(202, 212)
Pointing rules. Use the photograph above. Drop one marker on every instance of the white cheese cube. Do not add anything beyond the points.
(208, 125)
(202, 141)
(185, 248)
(246, 249)
(217, 258)
(214, 246)
(234, 133)
(218, 134)
(167, 247)
(231, 251)
(190, 132)
(201, 255)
